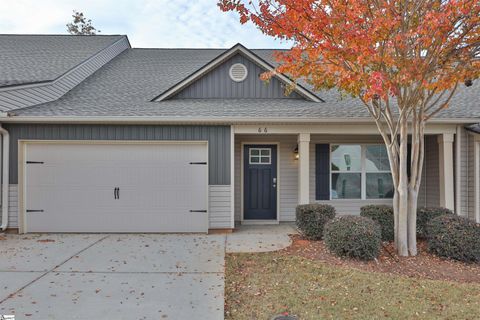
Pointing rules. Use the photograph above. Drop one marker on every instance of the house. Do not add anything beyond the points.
(101, 137)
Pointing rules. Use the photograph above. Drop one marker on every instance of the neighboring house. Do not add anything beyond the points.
(100, 137)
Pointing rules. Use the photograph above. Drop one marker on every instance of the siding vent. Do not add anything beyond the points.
(238, 72)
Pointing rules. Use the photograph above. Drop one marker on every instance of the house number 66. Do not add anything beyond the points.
(264, 130)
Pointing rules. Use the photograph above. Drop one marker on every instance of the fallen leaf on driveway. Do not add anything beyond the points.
(45, 240)
(3, 238)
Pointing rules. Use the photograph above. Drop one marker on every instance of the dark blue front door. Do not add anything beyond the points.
(260, 184)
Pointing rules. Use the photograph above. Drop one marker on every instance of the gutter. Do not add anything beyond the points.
(7, 117)
(5, 176)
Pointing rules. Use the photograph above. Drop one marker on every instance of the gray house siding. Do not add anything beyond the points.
(29, 95)
(217, 84)
(218, 138)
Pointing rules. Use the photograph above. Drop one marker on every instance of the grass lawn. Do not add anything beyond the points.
(261, 285)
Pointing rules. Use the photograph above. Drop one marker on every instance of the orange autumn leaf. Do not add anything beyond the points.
(371, 49)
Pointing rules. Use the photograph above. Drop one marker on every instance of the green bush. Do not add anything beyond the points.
(424, 215)
(311, 219)
(354, 237)
(383, 215)
(454, 237)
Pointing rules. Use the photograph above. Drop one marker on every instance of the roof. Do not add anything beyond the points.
(226, 55)
(474, 128)
(126, 86)
(40, 58)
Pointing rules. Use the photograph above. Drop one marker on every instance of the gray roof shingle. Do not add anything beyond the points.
(126, 85)
(39, 58)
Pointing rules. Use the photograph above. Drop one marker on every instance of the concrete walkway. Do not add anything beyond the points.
(260, 238)
(117, 276)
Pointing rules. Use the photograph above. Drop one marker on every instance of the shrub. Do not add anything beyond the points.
(311, 219)
(424, 215)
(383, 215)
(353, 236)
(454, 237)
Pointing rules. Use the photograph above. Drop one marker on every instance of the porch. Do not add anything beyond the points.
(306, 168)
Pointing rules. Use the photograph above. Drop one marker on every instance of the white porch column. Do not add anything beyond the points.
(304, 168)
(447, 183)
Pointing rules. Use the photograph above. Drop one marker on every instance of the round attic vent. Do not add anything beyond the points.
(238, 72)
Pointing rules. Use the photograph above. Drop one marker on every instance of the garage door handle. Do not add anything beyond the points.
(198, 211)
(116, 193)
(204, 163)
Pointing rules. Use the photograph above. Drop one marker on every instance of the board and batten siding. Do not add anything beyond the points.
(29, 95)
(288, 173)
(217, 84)
(218, 138)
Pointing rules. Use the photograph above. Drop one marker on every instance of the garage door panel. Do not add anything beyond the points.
(158, 188)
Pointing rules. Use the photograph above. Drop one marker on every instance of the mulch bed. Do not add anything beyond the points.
(424, 265)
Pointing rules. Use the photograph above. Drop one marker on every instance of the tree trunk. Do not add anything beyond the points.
(402, 237)
(395, 216)
(412, 221)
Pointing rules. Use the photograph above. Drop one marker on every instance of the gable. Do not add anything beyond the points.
(217, 84)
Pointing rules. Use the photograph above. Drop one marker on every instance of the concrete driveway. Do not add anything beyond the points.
(95, 276)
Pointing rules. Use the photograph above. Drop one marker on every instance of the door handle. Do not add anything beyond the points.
(116, 193)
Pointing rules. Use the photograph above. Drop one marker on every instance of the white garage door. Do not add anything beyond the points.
(116, 187)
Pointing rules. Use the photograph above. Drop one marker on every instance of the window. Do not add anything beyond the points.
(260, 156)
(360, 172)
(346, 168)
(379, 183)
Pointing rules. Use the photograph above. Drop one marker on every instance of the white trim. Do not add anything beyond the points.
(363, 172)
(260, 156)
(330, 127)
(232, 175)
(446, 171)
(458, 166)
(259, 222)
(225, 56)
(22, 148)
(242, 179)
(303, 142)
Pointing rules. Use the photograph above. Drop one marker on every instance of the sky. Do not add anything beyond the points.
(148, 23)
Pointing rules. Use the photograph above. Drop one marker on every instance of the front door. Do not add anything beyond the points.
(260, 182)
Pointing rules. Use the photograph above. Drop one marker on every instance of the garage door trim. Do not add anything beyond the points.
(22, 147)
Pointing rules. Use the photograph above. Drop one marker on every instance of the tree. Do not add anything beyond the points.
(81, 25)
(402, 59)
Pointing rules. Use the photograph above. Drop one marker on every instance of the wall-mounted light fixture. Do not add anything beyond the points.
(295, 152)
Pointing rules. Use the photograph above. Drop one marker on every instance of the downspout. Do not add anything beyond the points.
(458, 171)
(5, 176)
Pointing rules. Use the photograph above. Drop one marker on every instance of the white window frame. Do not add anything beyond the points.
(260, 156)
(363, 172)
(345, 171)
